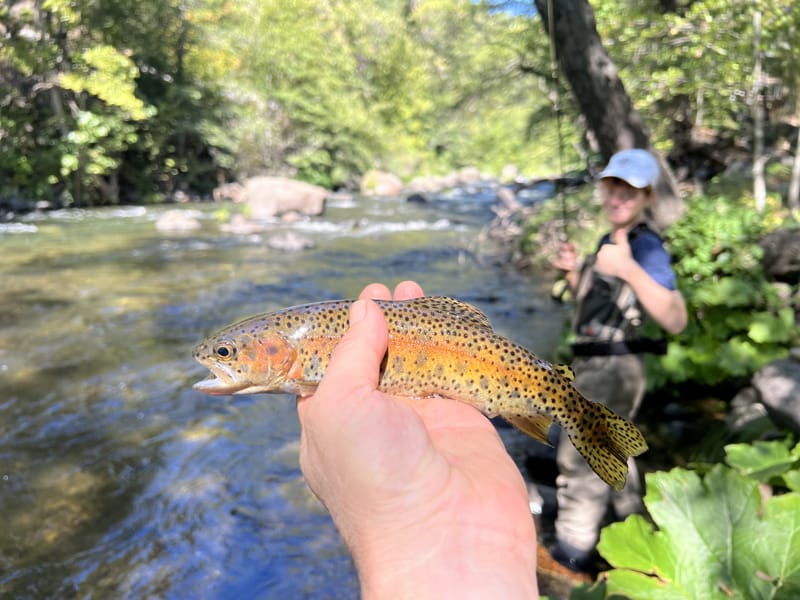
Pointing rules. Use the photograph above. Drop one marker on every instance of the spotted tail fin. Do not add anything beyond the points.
(606, 441)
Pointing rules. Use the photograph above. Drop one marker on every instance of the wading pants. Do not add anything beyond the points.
(583, 498)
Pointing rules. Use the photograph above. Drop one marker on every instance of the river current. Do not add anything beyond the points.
(117, 479)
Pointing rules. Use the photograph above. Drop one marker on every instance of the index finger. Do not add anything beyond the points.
(408, 290)
(375, 291)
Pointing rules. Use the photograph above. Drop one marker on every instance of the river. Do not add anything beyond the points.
(117, 479)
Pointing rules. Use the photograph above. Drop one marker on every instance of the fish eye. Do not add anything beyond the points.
(224, 350)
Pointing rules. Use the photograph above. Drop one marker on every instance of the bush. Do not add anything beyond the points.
(738, 319)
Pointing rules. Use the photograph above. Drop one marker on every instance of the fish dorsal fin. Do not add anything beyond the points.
(455, 308)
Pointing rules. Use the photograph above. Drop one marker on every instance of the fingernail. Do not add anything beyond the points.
(358, 311)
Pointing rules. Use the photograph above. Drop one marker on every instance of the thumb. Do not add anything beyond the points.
(620, 237)
(356, 360)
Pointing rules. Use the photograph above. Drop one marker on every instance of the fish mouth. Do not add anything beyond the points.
(217, 386)
(220, 382)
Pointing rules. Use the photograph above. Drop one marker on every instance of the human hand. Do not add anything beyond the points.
(615, 260)
(567, 258)
(422, 490)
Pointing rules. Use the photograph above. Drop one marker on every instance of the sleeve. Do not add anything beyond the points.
(649, 252)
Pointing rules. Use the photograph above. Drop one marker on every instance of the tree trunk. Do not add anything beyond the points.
(759, 158)
(793, 199)
(600, 94)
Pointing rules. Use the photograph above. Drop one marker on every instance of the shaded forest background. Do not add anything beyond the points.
(105, 101)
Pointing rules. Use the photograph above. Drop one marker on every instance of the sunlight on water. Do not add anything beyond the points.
(119, 480)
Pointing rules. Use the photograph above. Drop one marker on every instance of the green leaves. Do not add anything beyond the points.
(767, 462)
(711, 537)
(111, 76)
(737, 319)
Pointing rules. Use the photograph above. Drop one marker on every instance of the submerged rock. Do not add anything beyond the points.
(179, 220)
(240, 225)
(289, 241)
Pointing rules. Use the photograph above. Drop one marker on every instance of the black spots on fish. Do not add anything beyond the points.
(483, 382)
(397, 363)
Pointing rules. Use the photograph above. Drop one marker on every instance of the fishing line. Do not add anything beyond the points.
(560, 289)
(556, 101)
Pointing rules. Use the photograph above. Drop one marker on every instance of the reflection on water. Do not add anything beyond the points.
(116, 478)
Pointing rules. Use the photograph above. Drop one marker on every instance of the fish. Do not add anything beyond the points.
(438, 346)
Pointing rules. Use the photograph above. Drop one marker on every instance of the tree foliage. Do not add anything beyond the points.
(106, 101)
(739, 319)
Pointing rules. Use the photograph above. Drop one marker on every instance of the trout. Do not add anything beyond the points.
(438, 346)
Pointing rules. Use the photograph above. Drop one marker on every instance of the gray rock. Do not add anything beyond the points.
(233, 191)
(176, 220)
(381, 183)
(782, 254)
(268, 197)
(778, 385)
(289, 241)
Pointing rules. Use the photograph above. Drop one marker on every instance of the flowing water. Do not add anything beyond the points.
(119, 480)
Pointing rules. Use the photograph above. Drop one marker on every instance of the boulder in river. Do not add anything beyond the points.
(233, 191)
(381, 183)
(268, 197)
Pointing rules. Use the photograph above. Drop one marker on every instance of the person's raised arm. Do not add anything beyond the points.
(667, 307)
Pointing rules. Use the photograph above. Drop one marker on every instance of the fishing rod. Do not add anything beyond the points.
(555, 98)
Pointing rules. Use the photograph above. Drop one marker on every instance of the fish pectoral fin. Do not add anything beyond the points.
(536, 426)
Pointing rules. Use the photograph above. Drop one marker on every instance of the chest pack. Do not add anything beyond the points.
(608, 315)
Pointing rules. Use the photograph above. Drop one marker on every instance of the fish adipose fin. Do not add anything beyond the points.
(536, 426)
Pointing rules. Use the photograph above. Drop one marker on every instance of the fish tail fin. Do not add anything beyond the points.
(605, 440)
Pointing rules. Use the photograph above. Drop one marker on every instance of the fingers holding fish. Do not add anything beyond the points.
(405, 290)
(375, 291)
(408, 290)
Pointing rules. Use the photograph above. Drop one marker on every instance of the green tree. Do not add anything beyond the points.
(101, 100)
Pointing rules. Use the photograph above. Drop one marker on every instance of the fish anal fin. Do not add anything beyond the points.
(536, 426)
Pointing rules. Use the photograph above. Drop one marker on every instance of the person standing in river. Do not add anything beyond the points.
(628, 279)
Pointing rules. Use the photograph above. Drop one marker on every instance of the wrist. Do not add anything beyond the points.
(444, 560)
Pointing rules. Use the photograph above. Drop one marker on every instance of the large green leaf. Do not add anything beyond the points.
(777, 547)
(710, 540)
(762, 460)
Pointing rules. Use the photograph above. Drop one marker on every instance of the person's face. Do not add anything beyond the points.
(624, 204)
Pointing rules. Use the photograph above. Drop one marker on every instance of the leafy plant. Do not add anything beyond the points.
(712, 536)
(738, 319)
